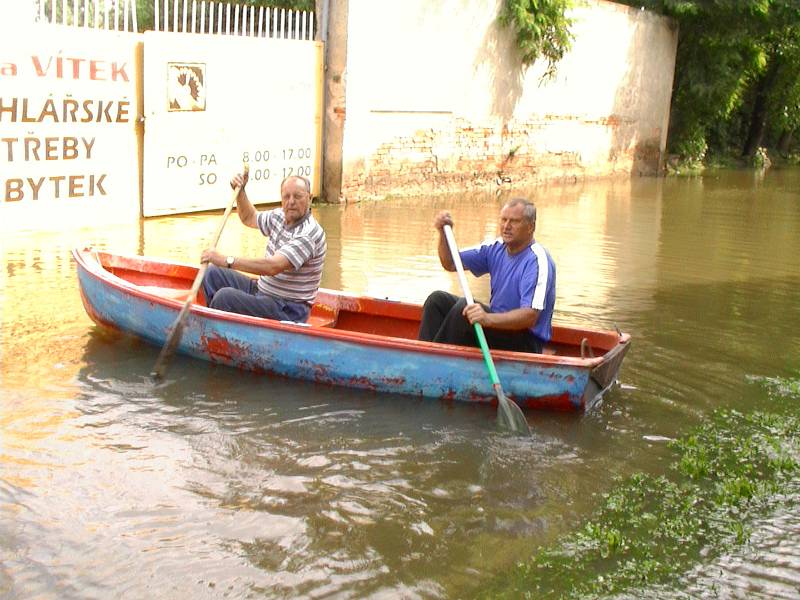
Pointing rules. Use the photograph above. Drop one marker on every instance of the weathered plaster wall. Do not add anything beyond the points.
(433, 96)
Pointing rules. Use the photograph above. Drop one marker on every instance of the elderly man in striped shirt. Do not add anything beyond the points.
(291, 270)
(523, 287)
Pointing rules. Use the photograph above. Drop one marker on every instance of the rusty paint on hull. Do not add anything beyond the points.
(222, 350)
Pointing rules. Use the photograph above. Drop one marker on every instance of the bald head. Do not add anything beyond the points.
(295, 198)
(305, 183)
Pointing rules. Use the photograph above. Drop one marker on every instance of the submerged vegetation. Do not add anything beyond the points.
(651, 529)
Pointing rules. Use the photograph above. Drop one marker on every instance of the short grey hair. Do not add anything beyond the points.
(305, 181)
(529, 209)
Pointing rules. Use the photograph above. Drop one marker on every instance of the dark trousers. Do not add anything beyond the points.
(443, 322)
(231, 291)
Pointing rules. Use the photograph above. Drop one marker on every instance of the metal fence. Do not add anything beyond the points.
(114, 15)
(185, 16)
(232, 19)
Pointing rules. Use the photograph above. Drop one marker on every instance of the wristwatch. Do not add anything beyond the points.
(229, 261)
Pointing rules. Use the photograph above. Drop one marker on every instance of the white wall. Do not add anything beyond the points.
(445, 69)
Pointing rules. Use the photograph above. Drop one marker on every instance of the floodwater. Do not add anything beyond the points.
(217, 483)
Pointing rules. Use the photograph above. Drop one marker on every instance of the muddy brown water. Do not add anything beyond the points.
(218, 483)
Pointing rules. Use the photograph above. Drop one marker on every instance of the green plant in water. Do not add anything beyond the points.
(760, 158)
(648, 530)
(740, 533)
(693, 148)
(694, 461)
(781, 386)
(689, 154)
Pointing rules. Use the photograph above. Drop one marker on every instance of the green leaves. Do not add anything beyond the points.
(650, 529)
(542, 30)
(733, 57)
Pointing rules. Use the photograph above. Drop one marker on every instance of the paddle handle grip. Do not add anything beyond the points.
(198, 280)
(462, 278)
(228, 209)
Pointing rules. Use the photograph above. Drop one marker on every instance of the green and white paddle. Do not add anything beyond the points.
(509, 415)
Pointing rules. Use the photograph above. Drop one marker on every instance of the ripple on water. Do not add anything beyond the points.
(218, 483)
(767, 567)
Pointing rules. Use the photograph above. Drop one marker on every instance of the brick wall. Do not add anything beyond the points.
(492, 154)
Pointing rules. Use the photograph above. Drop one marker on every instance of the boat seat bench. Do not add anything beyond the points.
(322, 315)
(321, 320)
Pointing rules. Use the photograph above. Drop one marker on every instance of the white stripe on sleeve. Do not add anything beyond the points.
(540, 291)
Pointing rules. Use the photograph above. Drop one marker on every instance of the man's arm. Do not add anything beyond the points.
(513, 320)
(247, 212)
(442, 219)
(272, 265)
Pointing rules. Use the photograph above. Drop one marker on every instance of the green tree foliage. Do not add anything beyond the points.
(736, 74)
(542, 29)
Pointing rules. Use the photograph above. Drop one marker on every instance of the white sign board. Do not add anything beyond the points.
(213, 102)
(68, 144)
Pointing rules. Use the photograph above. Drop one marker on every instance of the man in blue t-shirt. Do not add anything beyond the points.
(523, 288)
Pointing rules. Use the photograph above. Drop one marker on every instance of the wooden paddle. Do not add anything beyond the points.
(176, 332)
(509, 415)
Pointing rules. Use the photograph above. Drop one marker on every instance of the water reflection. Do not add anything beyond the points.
(218, 482)
(317, 488)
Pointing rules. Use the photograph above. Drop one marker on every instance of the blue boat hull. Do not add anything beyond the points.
(333, 356)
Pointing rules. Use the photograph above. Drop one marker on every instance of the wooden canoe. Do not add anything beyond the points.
(353, 341)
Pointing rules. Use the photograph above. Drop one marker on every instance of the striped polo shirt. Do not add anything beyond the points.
(304, 245)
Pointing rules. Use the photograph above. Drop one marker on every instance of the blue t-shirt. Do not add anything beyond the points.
(525, 280)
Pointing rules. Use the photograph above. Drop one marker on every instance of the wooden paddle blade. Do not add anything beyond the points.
(168, 350)
(509, 415)
(176, 332)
